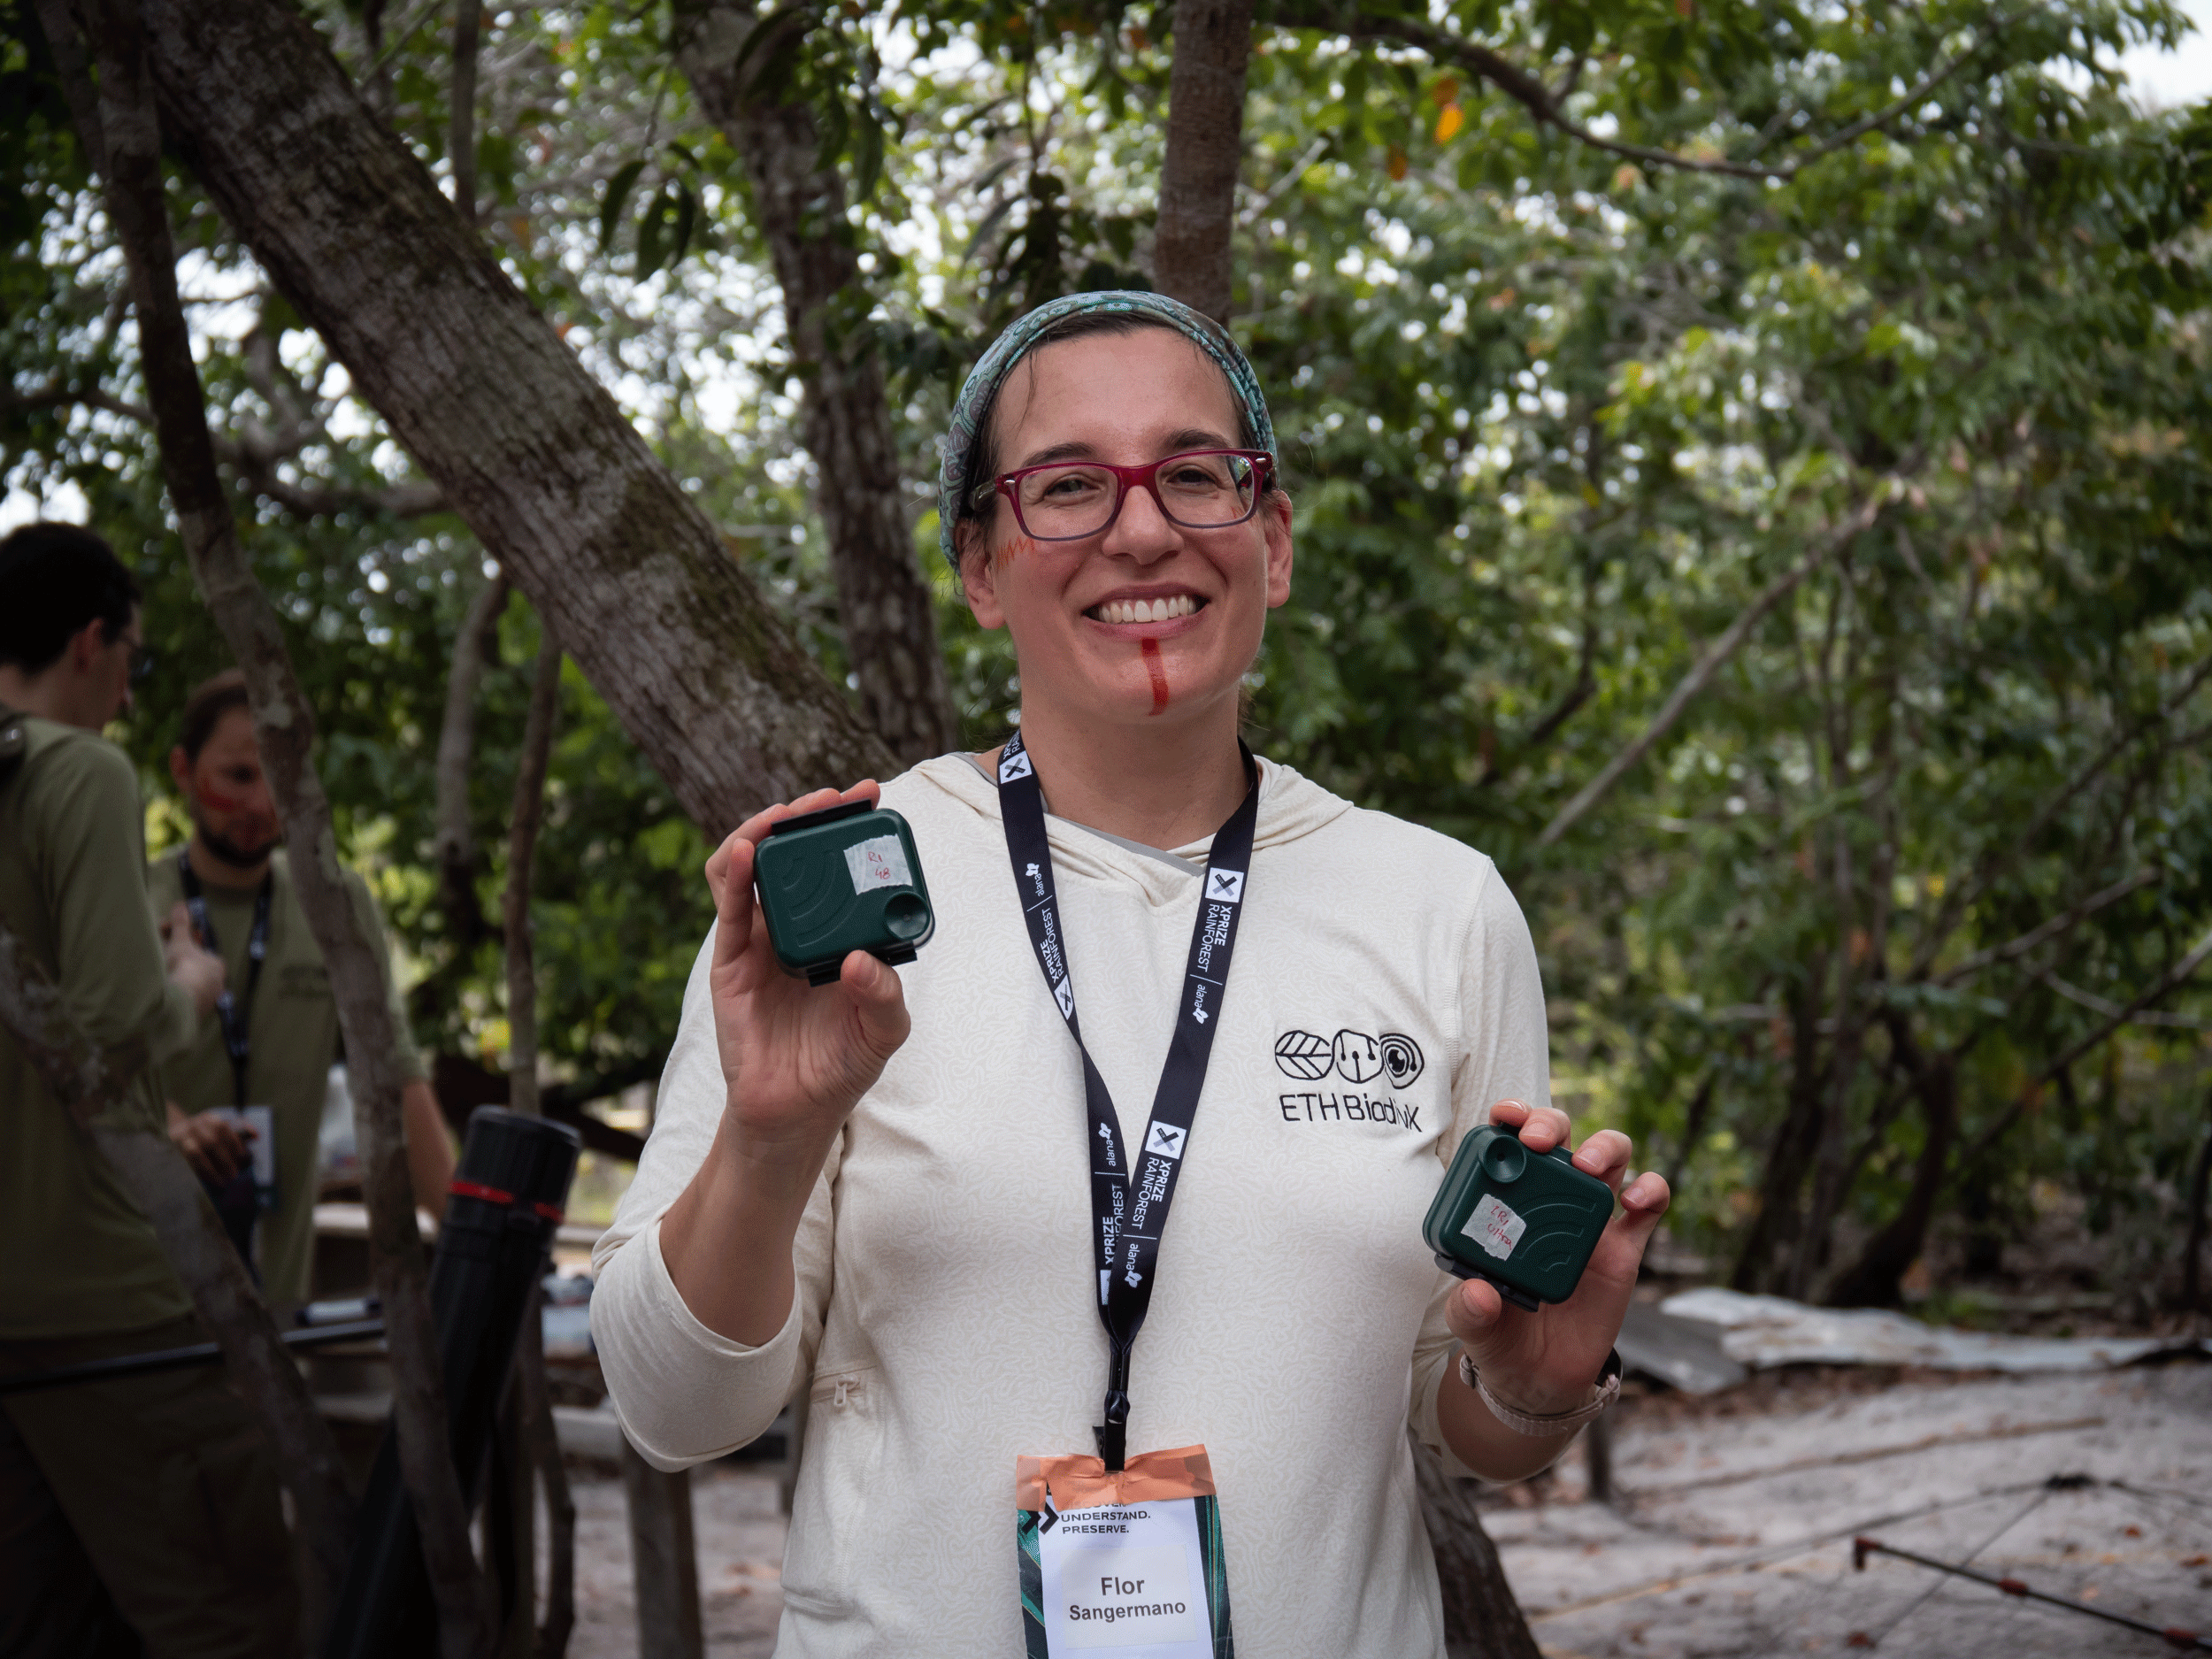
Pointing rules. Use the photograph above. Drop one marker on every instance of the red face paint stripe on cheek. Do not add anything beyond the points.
(220, 802)
(1152, 666)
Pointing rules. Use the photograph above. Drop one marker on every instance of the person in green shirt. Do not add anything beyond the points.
(274, 1043)
(141, 1513)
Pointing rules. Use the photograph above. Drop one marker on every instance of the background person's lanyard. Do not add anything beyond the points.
(234, 1014)
(1129, 1217)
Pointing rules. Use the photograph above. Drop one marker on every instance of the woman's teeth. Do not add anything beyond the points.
(1145, 609)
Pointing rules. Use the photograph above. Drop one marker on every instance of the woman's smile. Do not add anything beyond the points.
(1145, 615)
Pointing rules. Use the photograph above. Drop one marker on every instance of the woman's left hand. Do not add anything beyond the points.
(1545, 1363)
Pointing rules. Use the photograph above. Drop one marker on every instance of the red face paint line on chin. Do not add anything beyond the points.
(1153, 666)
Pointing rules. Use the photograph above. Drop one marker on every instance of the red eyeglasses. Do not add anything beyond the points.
(1199, 490)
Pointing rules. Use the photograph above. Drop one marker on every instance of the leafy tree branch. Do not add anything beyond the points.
(254, 455)
(1825, 546)
(1547, 107)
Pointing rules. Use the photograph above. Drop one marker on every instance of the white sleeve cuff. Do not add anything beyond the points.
(682, 1393)
(1427, 1380)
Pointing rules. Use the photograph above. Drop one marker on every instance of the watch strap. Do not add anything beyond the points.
(1603, 1392)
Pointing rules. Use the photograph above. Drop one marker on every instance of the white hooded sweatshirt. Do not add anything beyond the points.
(1383, 993)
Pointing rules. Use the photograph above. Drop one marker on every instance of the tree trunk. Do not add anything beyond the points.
(131, 141)
(1482, 1619)
(2192, 1253)
(527, 448)
(468, 17)
(1192, 256)
(1873, 1280)
(888, 614)
(154, 1173)
(537, 1439)
(1832, 1168)
(475, 645)
(1776, 1225)
(522, 851)
(380, 69)
(1693, 1121)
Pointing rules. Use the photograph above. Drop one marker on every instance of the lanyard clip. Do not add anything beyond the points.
(1113, 1434)
(1113, 1444)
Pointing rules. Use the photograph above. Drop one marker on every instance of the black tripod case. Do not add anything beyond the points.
(505, 1205)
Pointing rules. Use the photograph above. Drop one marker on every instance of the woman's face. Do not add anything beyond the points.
(1126, 399)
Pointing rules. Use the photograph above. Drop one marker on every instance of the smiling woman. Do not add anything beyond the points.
(1145, 487)
(933, 1197)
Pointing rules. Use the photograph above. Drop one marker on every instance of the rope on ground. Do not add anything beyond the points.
(2190, 1498)
(1781, 1551)
(1869, 1455)
(1876, 1638)
(2043, 1490)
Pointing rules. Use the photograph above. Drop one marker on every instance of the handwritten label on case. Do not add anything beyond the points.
(1495, 1227)
(880, 862)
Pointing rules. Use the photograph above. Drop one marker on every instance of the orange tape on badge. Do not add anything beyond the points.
(1079, 1481)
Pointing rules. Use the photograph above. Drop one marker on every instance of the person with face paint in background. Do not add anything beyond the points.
(275, 1043)
(928, 1198)
(137, 1514)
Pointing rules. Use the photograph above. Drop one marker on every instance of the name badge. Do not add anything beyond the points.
(1127, 1564)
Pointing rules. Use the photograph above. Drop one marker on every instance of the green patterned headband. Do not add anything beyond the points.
(968, 414)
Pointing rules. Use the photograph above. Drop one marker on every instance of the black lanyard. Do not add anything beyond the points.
(234, 1014)
(1129, 1218)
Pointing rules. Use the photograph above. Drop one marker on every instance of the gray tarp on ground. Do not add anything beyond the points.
(1684, 1353)
(1767, 1331)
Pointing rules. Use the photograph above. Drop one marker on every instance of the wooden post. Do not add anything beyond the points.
(511, 1511)
(560, 1504)
(663, 1559)
(1597, 1448)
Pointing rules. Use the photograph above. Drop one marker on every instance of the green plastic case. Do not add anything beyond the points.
(839, 880)
(1526, 1221)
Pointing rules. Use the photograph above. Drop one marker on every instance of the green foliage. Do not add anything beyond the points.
(371, 601)
(1555, 416)
(1564, 418)
(1554, 420)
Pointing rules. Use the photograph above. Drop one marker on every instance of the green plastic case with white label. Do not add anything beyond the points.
(839, 880)
(1524, 1221)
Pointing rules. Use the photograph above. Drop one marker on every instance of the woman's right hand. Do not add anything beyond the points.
(795, 1057)
(795, 1060)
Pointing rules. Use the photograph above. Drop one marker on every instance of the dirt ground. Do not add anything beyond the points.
(740, 1534)
(1730, 1535)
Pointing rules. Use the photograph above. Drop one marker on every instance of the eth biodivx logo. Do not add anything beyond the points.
(1354, 1055)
